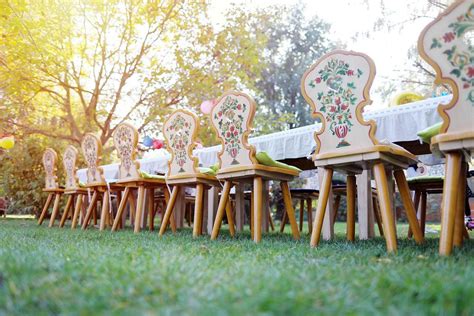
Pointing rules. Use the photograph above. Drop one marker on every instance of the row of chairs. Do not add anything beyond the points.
(337, 88)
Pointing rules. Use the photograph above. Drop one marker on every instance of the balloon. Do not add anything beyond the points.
(157, 144)
(147, 141)
(7, 142)
(207, 106)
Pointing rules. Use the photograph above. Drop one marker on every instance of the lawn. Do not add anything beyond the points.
(59, 271)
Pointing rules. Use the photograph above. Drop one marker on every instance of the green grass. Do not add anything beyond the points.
(59, 271)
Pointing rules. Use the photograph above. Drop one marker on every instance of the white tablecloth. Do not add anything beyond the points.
(399, 123)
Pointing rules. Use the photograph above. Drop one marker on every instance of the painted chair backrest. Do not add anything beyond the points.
(337, 88)
(92, 150)
(49, 162)
(126, 141)
(69, 162)
(180, 131)
(232, 118)
(447, 44)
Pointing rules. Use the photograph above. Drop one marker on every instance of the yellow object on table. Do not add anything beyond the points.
(406, 97)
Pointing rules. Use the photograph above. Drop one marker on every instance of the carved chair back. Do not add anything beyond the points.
(49, 162)
(180, 131)
(232, 118)
(126, 142)
(92, 150)
(337, 88)
(69, 162)
(447, 44)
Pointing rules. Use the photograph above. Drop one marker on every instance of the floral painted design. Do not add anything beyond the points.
(338, 99)
(90, 154)
(48, 163)
(230, 119)
(69, 160)
(461, 61)
(179, 136)
(123, 139)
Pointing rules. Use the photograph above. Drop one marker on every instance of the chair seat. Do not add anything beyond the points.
(356, 160)
(134, 182)
(454, 141)
(192, 179)
(248, 172)
(78, 190)
(58, 190)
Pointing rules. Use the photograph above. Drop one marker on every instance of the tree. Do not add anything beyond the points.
(294, 43)
(71, 67)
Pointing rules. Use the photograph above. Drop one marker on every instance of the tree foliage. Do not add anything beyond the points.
(294, 43)
(71, 67)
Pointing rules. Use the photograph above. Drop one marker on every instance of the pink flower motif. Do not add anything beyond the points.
(236, 133)
(470, 72)
(350, 72)
(232, 128)
(344, 107)
(332, 109)
(227, 134)
(318, 80)
(239, 107)
(466, 86)
(448, 37)
(220, 113)
(338, 100)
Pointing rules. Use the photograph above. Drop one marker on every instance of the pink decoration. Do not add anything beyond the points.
(157, 144)
(207, 106)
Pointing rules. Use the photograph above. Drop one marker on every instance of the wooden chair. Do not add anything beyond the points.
(131, 178)
(444, 45)
(74, 192)
(180, 131)
(51, 186)
(337, 88)
(423, 186)
(232, 118)
(92, 150)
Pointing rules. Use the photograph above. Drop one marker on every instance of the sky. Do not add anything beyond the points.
(388, 49)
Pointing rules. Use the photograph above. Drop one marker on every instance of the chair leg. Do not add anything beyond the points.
(301, 214)
(448, 204)
(377, 215)
(169, 209)
(77, 210)
(230, 218)
(197, 229)
(139, 211)
(45, 208)
(270, 220)
(383, 194)
(55, 209)
(351, 194)
(252, 198)
(337, 202)
(283, 222)
(104, 211)
(408, 204)
(90, 209)
(461, 196)
(123, 203)
(69, 203)
(321, 208)
(290, 212)
(221, 209)
(309, 206)
(151, 208)
(424, 197)
(257, 208)
(416, 202)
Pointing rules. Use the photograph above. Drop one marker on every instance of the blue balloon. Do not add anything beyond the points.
(147, 141)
